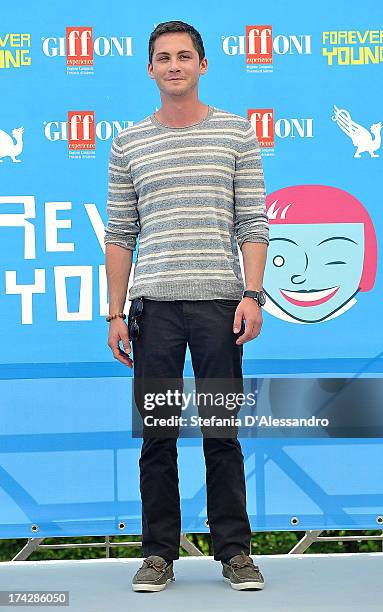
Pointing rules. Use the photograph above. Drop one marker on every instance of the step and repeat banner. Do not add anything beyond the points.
(309, 79)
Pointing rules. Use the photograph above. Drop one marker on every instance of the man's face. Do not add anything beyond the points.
(175, 66)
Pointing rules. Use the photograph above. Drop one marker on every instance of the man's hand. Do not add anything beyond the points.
(118, 330)
(248, 310)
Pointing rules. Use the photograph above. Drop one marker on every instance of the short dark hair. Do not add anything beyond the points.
(177, 26)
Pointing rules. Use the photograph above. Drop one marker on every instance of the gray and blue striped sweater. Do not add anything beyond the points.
(191, 196)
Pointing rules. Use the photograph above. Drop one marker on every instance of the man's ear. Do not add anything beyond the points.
(204, 68)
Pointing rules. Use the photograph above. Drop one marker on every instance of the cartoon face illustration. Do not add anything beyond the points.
(313, 270)
(322, 252)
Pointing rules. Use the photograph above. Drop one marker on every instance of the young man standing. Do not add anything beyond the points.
(188, 179)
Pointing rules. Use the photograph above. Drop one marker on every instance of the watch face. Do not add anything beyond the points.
(262, 298)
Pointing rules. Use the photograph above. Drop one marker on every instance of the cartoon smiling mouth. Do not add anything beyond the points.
(309, 297)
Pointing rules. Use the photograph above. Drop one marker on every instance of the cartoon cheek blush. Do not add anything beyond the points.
(322, 252)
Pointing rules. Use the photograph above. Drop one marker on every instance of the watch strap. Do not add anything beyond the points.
(258, 296)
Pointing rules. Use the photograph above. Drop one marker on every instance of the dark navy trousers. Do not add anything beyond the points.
(166, 328)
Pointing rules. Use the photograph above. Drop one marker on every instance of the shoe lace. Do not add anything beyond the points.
(159, 567)
(244, 561)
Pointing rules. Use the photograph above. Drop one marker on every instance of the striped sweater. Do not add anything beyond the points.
(189, 196)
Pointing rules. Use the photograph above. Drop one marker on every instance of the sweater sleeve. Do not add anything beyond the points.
(123, 220)
(250, 221)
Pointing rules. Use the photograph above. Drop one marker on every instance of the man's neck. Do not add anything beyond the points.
(176, 114)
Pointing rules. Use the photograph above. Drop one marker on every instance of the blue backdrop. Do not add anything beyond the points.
(310, 81)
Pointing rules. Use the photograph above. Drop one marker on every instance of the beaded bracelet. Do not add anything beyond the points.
(118, 314)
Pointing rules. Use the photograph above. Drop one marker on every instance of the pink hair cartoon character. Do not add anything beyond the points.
(322, 252)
